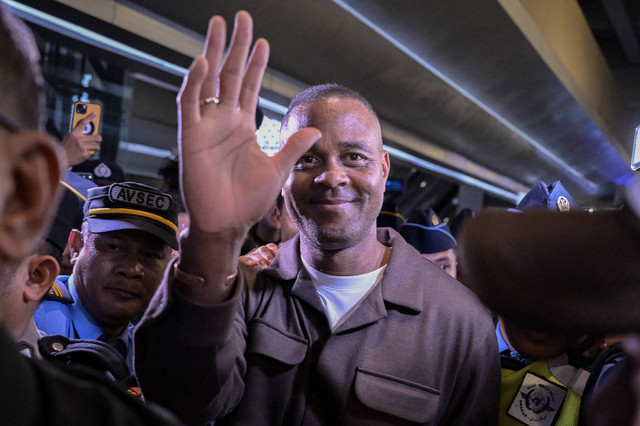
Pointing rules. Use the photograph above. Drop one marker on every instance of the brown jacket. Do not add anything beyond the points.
(420, 348)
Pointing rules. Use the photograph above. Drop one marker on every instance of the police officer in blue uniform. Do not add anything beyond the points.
(119, 258)
(544, 375)
(432, 238)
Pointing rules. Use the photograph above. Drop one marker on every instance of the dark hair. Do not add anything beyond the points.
(324, 91)
(280, 201)
(20, 78)
(47, 248)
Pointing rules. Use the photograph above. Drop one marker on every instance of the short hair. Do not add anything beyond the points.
(21, 82)
(324, 91)
(8, 269)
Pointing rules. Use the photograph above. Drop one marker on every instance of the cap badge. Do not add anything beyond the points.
(139, 197)
(563, 204)
(434, 220)
(102, 170)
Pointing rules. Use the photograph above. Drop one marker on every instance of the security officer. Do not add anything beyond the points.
(543, 378)
(119, 258)
(432, 238)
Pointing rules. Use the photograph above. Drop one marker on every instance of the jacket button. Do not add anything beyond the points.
(57, 346)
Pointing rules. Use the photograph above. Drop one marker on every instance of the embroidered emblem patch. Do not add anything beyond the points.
(563, 204)
(102, 170)
(139, 197)
(538, 401)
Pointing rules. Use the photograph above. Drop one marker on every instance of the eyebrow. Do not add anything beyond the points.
(351, 144)
(441, 258)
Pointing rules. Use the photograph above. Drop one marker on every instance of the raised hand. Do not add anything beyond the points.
(227, 181)
(79, 146)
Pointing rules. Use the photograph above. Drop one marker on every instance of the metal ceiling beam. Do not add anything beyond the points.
(135, 19)
(561, 35)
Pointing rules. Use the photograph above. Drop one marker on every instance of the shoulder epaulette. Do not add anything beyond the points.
(59, 293)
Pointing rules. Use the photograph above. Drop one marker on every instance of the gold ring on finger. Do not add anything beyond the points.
(209, 100)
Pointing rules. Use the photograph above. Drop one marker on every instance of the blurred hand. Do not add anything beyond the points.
(77, 146)
(262, 256)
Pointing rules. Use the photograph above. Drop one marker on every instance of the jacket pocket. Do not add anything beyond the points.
(277, 344)
(398, 397)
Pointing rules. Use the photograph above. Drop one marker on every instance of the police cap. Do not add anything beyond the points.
(132, 205)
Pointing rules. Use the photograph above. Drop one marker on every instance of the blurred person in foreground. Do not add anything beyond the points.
(349, 325)
(34, 392)
(582, 268)
(538, 362)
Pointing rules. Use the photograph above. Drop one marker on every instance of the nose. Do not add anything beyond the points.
(131, 269)
(332, 176)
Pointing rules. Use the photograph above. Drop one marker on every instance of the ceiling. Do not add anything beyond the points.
(507, 91)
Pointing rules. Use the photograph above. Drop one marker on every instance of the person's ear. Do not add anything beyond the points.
(75, 245)
(386, 165)
(276, 216)
(33, 172)
(43, 270)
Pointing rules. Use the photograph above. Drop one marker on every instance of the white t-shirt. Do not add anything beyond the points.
(340, 295)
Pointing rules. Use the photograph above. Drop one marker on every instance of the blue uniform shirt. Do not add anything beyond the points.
(507, 351)
(74, 321)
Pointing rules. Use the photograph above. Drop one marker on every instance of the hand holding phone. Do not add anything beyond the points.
(81, 113)
(83, 140)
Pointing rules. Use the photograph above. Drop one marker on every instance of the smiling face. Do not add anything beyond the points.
(116, 274)
(334, 193)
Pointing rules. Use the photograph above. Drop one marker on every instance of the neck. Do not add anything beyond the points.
(266, 233)
(113, 331)
(366, 256)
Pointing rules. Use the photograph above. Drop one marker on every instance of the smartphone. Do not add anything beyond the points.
(81, 110)
(635, 155)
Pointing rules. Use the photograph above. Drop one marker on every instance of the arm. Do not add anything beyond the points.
(476, 399)
(78, 146)
(190, 345)
(218, 145)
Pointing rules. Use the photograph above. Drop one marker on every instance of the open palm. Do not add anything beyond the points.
(227, 181)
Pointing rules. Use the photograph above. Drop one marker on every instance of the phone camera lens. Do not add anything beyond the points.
(81, 108)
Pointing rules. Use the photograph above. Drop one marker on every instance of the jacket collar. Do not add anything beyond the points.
(402, 285)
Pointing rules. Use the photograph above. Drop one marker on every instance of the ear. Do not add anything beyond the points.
(386, 165)
(76, 243)
(43, 270)
(276, 216)
(33, 172)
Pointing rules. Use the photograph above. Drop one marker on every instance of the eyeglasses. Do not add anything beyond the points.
(9, 122)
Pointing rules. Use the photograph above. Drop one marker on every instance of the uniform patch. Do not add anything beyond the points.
(538, 402)
(563, 204)
(59, 293)
(102, 170)
(139, 197)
